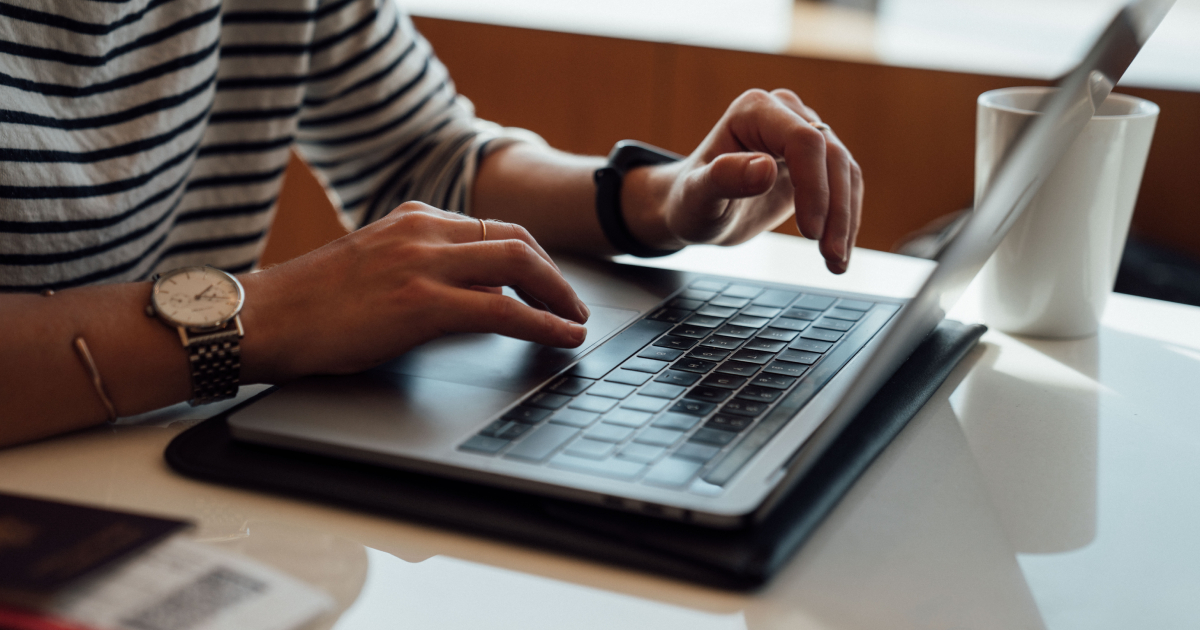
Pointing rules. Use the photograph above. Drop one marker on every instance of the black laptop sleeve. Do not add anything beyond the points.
(739, 559)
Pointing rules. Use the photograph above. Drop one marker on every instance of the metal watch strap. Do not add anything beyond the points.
(216, 365)
(626, 155)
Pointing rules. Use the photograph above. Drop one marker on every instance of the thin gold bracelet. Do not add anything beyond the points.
(85, 355)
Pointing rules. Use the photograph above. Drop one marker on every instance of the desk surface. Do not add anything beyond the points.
(1049, 484)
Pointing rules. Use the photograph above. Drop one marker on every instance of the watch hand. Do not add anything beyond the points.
(206, 290)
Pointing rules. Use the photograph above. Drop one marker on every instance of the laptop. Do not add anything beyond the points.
(699, 399)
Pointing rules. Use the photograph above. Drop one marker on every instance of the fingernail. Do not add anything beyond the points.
(758, 170)
(584, 312)
(578, 333)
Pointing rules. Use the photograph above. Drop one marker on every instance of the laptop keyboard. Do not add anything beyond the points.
(688, 394)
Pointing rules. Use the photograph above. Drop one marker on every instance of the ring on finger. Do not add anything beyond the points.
(483, 229)
(820, 126)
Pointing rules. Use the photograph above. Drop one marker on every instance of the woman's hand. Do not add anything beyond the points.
(410, 277)
(761, 160)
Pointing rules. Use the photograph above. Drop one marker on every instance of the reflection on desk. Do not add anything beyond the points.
(1045, 485)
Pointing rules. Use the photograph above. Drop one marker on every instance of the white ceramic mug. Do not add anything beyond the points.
(1052, 274)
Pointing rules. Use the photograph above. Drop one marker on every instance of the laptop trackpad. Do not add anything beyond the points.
(423, 402)
(502, 363)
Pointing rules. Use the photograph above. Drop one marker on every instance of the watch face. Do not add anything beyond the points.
(199, 297)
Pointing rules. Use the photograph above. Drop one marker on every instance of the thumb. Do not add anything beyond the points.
(732, 176)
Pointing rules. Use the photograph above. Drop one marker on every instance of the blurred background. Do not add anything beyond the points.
(897, 80)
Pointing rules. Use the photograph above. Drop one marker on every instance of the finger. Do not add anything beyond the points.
(764, 123)
(837, 222)
(730, 176)
(793, 102)
(515, 264)
(472, 311)
(857, 190)
(502, 231)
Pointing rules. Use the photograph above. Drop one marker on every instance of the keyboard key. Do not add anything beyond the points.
(546, 400)
(696, 452)
(570, 385)
(611, 390)
(649, 366)
(673, 472)
(738, 332)
(699, 366)
(786, 368)
(694, 407)
(495, 428)
(720, 312)
(709, 285)
(724, 381)
(748, 408)
(708, 354)
(765, 345)
(705, 321)
(606, 432)
(846, 314)
(801, 313)
(615, 467)
(855, 305)
(644, 453)
(483, 444)
(749, 322)
(678, 421)
(594, 404)
(697, 294)
(689, 330)
(778, 334)
(616, 350)
(658, 436)
(685, 304)
(833, 324)
(628, 377)
(662, 390)
(774, 381)
(761, 394)
(776, 298)
(799, 356)
(755, 310)
(660, 354)
(627, 417)
(513, 431)
(737, 368)
(742, 291)
(814, 302)
(669, 315)
(788, 323)
(713, 436)
(821, 335)
(753, 356)
(590, 449)
(529, 415)
(675, 377)
(645, 403)
(544, 440)
(708, 394)
(678, 343)
(728, 301)
(729, 423)
(722, 342)
(574, 417)
(811, 345)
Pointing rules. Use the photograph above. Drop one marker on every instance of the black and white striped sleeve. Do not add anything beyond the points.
(381, 122)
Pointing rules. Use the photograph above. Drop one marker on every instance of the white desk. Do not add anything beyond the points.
(1048, 484)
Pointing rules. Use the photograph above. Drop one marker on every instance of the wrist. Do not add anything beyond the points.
(645, 194)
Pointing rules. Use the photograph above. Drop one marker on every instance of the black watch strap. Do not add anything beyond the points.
(626, 155)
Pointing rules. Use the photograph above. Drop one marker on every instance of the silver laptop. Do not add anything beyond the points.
(695, 398)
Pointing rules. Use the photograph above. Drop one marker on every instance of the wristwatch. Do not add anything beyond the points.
(625, 156)
(203, 304)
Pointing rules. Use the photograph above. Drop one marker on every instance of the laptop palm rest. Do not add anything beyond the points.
(423, 402)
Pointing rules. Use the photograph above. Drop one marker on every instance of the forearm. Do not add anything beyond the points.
(45, 388)
(553, 195)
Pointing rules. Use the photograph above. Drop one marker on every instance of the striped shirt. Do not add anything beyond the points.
(143, 135)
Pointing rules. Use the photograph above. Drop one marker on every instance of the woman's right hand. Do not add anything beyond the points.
(410, 277)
